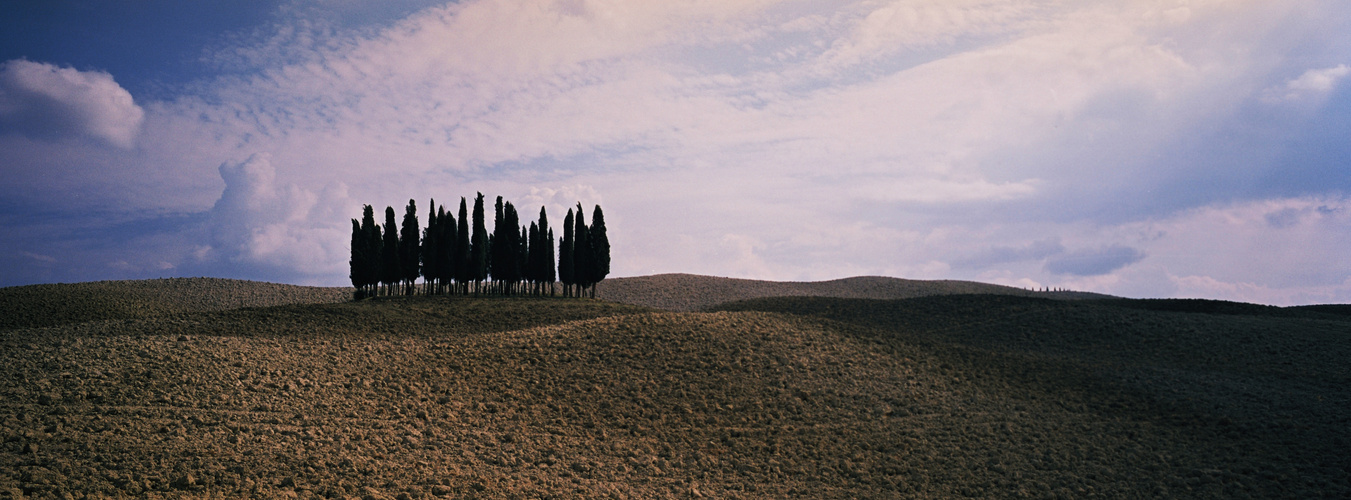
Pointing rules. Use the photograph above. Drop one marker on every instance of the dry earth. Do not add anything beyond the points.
(948, 396)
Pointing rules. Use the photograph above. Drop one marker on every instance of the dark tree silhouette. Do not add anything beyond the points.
(566, 263)
(515, 249)
(389, 255)
(540, 259)
(463, 273)
(497, 249)
(582, 256)
(522, 252)
(600, 249)
(409, 248)
(427, 251)
(371, 246)
(446, 233)
(532, 268)
(478, 247)
(357, 264)
(547, 274)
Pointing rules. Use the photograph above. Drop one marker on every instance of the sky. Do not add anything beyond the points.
(1157, 148)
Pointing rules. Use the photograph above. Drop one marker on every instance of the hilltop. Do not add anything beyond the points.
(982, 395)
(57, 304)
(691, 292)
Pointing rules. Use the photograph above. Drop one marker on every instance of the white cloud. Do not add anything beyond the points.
(257, 222)
(46, 101)
(1313, 83)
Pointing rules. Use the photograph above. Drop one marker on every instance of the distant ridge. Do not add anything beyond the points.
(691, 292)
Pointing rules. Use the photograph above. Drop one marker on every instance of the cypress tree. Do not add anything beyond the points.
(371, 245)
(428, 250)
(463, 273)
(511, 247)
(497, 249)
(582, 256)
(409, 248)
(600, 249)
(532, 254)
(478, 247)
(541, 262)
(390, 274)
(445, 255)
(522, 252)
(565, 261)
(355, 271)
(547, 274)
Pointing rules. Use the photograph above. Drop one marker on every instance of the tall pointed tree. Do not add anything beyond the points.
(478, 246)
(534, 270)
(547, 274)
(390, 274)
(428, 250)
(356, 269)
(600, 249)
(409, 248)
(582, 256)
(463, 273)
(522, 251)
(512, 246)
(566, 264)
(371, 245)
(541, 251)
(497, 247)
(445, 254)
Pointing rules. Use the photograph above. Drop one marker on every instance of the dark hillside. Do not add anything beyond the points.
(1276, 385)
(455, 397)
(1335, 309)
(1205, 306)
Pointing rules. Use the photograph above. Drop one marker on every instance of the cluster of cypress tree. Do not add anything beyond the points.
(459, 256)
(584, 253)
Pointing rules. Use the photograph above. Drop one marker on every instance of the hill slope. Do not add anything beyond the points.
(689, 292)
(777, 398)
(58, 304)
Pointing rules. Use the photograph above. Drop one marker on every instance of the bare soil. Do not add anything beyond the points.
(807, 397)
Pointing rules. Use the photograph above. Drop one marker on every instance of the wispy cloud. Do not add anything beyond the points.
(1313, 83)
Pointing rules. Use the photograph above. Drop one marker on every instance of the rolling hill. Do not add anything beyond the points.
(977, 395)
(691, 292)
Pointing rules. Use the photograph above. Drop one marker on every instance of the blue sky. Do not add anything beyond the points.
(1139, 148)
